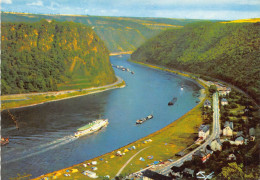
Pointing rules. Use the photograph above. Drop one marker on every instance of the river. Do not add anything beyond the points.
(45, 141)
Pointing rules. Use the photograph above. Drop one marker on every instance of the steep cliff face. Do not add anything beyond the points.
(226, 51)
(47, 56)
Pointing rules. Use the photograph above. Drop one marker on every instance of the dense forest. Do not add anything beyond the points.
(225, 51)
(42, 56)
(118, 33)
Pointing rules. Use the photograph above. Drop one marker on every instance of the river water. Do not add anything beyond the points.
(45, 142)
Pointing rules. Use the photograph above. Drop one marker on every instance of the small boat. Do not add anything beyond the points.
(149, 117)
(140, 121)
(4, 141)
(172, 102)
(132, 72)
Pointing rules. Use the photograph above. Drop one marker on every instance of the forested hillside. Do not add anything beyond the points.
(226, 51)
(44, 56)
(118, 33)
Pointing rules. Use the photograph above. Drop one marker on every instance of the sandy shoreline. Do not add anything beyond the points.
(120, 53)
(91, 90)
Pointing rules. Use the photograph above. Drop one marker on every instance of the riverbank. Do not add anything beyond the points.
(14, 101)
(163, 144)
(120, 53)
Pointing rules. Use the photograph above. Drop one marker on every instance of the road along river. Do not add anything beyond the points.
(45, 141)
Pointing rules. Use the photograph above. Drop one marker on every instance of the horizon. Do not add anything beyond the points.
(88, 15)
(185, 9)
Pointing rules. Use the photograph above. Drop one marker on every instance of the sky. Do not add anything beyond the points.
(186, 9)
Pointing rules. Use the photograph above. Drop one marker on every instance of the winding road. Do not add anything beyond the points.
(215, 134)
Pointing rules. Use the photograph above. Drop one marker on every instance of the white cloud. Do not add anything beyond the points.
(7, 1)
(54, 6)
(190, 2)
(210, 2)
(37, 3)
(221, 15)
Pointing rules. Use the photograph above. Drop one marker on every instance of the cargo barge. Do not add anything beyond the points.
(141, 121)
(172, 102)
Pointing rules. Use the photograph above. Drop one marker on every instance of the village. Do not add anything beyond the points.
(237, 135)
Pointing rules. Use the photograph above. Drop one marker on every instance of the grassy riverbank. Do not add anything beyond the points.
(185, 74)
(31, 99)
(163, 145)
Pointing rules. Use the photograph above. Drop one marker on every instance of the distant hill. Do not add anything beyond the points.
(45, 56)
(226, 51)
(253, 20)
(118, 33)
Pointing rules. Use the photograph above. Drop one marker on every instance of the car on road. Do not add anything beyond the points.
(170, 160)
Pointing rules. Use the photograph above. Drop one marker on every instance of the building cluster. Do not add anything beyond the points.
(186, 173)
(215, 145)
(236, 138)
(222, 89)
(228, 134)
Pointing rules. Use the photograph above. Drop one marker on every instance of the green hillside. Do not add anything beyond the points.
(226, 51)
(45, 56)
(118, 33)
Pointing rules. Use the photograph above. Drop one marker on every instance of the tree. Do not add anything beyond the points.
(212, 89)
(233, 105)
(38, 56)
(226, 145)
(234, 171)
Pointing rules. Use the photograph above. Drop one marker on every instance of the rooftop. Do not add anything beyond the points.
(229, 124)
(188, 171)
(154, 175)
(207, 103)
(204, 128)
(252, 131)
(240, 138)
(224, 100)
(199, 154)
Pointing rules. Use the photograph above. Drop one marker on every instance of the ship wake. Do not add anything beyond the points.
(12, 156)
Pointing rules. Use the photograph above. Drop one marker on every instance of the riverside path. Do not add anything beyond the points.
(215, 134)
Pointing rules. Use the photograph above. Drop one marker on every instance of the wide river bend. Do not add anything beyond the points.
(45, 142)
